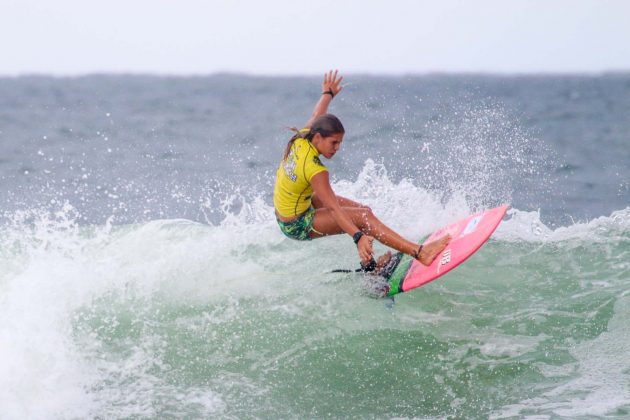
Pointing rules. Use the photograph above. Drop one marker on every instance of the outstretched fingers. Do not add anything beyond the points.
(332, 82)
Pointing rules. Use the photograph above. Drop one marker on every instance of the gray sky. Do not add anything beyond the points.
(69, 37)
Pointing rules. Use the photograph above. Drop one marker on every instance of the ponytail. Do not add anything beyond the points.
(326, 125)
(308, 135)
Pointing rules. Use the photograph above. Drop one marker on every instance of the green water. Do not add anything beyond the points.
(499, 333)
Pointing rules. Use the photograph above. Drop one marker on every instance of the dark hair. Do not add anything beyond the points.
(326, 125)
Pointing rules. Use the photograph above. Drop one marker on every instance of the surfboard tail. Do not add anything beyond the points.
(396, 274)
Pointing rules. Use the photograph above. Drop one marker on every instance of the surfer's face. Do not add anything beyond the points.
(328, 146)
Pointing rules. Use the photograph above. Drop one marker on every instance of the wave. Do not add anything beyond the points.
(173, 317)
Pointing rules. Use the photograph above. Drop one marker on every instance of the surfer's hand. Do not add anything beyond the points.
(332, 82)
(364, 247)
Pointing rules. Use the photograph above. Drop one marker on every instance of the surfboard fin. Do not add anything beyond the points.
(365, 268)
(371, 267)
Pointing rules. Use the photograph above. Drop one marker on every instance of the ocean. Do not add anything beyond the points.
(143, 275)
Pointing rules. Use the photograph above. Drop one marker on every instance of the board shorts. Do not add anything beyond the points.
(299, 229)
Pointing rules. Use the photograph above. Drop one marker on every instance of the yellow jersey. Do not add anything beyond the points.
(293, 191)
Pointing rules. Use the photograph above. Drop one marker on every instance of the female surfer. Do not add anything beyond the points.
(306, 205)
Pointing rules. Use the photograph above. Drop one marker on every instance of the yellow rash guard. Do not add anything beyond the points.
(293, 191)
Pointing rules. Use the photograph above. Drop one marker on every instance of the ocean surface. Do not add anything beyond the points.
(142, 274)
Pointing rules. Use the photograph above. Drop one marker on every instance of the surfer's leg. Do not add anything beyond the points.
(325, 224)
(343, 202)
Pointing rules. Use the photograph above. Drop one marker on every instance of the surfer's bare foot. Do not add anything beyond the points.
(383, 260)
(431, 250)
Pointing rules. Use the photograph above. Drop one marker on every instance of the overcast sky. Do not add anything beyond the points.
(70, 37)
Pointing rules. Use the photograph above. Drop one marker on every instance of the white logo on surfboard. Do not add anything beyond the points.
(472, 225)
(446, 258)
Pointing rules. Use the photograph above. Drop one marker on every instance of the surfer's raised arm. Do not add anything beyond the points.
(331, 86)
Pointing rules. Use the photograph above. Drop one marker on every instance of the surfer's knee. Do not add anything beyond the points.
(367, 217)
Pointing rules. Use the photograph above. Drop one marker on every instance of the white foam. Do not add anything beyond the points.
(598, 382)
(41, 370)
(510, 346)
(415, 211)
(603, 370)
(47, 367)
(411, 210)
(528, 227)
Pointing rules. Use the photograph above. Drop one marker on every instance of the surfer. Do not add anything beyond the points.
(306, 205)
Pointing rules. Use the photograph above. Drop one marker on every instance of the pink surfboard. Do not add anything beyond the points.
(467, 236)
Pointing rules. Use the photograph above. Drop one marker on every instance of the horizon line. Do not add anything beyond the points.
(238, 73)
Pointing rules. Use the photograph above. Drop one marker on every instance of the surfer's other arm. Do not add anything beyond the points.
(326, 196)
(331, 86)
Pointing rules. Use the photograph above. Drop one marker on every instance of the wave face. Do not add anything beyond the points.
(142, 273)
(182, 319)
